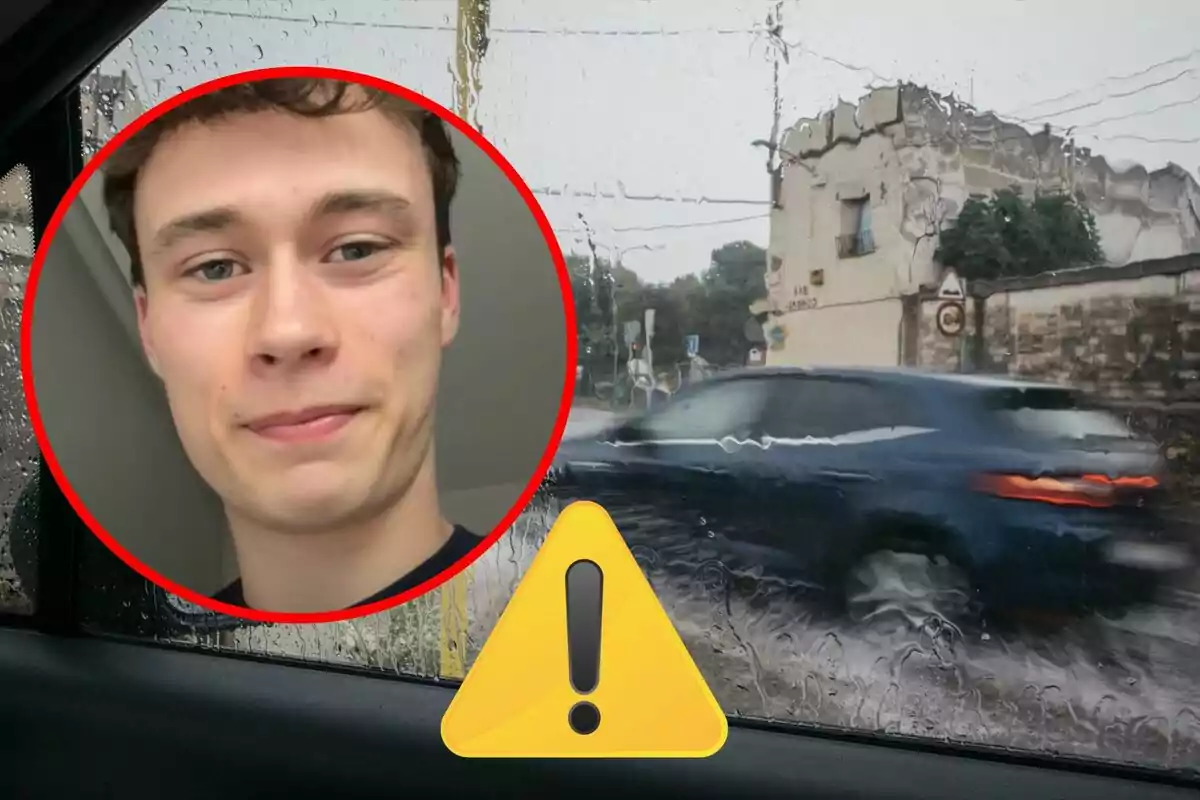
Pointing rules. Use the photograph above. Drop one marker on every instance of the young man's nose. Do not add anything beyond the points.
(292, 323)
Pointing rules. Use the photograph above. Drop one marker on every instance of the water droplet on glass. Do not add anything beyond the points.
(183, 51)
(258, 52)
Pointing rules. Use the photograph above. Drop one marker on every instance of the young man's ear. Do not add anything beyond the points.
(450, 295)
(139, 302)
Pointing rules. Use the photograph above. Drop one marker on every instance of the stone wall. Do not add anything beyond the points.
(944, 353)
(1128, 336)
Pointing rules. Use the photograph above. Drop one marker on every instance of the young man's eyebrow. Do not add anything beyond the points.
(348, 202)
(332, 204)
(209, 221)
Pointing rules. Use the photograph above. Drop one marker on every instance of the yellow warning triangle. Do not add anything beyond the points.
(650, 700)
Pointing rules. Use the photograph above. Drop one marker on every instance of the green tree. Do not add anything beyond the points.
(733, 280)
(713, 305)
(1008, 236)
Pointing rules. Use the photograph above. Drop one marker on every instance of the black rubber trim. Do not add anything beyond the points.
(51, 146)
(52, 52)
(89, 718)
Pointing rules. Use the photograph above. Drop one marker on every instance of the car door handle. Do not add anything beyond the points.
(846, 476)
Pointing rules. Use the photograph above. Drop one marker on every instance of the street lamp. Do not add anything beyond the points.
(616, 252)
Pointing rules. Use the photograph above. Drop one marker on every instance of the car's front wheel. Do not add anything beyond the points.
(895, 590)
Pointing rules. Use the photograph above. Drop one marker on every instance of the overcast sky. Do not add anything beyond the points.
(662, 98)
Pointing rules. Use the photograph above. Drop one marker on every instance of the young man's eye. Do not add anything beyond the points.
(221, 269)
(355, 251)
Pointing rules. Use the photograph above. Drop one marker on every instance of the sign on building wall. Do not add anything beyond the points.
(801, 300)
(951, 318)
(953, 287)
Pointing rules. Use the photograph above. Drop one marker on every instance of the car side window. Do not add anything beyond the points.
(724, 408)
(826, 407)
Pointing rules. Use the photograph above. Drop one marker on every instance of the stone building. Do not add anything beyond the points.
(866, 188)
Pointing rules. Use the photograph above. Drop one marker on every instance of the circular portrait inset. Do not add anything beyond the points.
(298, 345)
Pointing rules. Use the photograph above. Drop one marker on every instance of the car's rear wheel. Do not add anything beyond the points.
(893, 590)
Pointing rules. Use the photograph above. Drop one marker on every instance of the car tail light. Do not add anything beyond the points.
(1094, 491)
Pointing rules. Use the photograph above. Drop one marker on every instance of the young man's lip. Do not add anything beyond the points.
(291, 419)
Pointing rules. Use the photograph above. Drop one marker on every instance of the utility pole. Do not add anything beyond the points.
(780, 48)
(616, 317)
(617, 255)
(612, 298)
(1071, 165)
(470, 47)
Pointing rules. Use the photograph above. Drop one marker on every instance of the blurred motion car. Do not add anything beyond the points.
(891, 489)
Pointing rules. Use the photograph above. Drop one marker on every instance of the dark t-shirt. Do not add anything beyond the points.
(461, 542)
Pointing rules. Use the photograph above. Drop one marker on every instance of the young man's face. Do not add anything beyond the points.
(295, 309)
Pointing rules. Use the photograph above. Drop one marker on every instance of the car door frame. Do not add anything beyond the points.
(818, 497)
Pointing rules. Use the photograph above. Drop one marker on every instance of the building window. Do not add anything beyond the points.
(855, 238)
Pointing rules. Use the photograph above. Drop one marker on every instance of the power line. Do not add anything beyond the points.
(1113, 96)
(846, 65)
(1149, 139)
(657, 198)
(1111, 78)
(671, 226)
(315, 21)
(1144, 113)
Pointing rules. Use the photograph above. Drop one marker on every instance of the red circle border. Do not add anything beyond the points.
(35, 270)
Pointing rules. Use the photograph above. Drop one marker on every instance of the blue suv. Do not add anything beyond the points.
(876, 488)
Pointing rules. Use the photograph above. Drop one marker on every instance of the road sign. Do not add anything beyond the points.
(584, 662)
(691, 343)
(633, 329)
(952, 288)
(951, 318)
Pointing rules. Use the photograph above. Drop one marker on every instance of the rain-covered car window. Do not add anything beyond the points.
(18, 452)
(729, 409)
(1069, 423)
(1058, 414)
(897, 194)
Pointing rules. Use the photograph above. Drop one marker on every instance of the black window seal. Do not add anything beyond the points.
(50, 146)
(46, 60)
(56, 49)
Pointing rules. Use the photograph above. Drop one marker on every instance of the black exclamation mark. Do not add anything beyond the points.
(585, 594)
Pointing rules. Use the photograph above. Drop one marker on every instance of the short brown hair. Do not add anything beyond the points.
(315, 97)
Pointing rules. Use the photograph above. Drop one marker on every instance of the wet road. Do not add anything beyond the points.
(583, 421)
(1125, 689)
